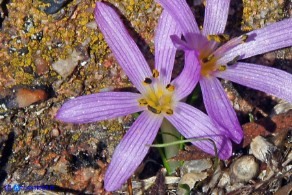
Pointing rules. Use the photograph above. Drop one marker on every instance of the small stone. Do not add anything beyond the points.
(42, 66)
(60, 167)
(54, 6)
(224, 180)
(261, 148)
(190, 179)
(195, 166)
(26, 97)
(244, 169)
(282, 107)
(67, 66)
(55, 133)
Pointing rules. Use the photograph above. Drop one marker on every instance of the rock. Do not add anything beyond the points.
(244, 169)
(54, 5)
(195, 166)
(224, 180)
(261, 148)
(190, 179)
(42, 66)
(67, 66)
(282, 107)
(55, 132)
(26, 97)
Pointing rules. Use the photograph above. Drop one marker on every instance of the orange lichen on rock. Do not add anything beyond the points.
(26, 97)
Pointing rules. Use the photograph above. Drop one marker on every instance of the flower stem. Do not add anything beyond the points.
(170, 134)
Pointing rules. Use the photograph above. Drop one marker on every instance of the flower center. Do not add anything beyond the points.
(158, 98)
(209, 56)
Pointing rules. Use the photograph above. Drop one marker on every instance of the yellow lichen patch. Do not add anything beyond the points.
(41, 34)
(75, 137)
(257, 14)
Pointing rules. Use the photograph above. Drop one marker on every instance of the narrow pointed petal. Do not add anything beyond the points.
(216, 14)
(269, 80)
(180, 44)
(192, 123)
(164, 48)
(269, 38)
(99, 106)
(182, 14)
(122, 45)
(189, 77)
(132, 149)
(220, 109)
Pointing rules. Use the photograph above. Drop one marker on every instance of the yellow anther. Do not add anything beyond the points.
(234, 61)
(156, 110)
(244, 38)
(220, 38)
(155, 73)
(142, 102)
(147, 81)
(170, 87)
(208, 58)
(222, 68)
(169, 111)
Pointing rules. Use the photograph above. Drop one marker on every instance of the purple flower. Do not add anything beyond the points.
(159, 98)
(221, 61)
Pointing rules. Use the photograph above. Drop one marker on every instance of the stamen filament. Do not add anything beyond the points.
(169, 111)
(147, 81)
(170, 87)
(142, 102)
(208, 58)
(154, 110)
(244, 38)
(234, 61)
(222, 68)
(158, 98)
(220, 38)
(155, 73)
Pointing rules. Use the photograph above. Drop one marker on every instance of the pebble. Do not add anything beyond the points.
(54, 6)
(282, 107)
(55, 133)
(42, 66)
(224, 180)
(195, 166)
(67, 66)
(190, 179)
(261, 148)
(244, 169)
(26, 97)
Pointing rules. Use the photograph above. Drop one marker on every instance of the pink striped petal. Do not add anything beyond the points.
(192, 123)
(220, 109)
(269, 38)
(189, 77)
(216, 14)
(269, 80)
(164, 48)
(182, 14)
(132, 149)
(122, 45)
(98, 107)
